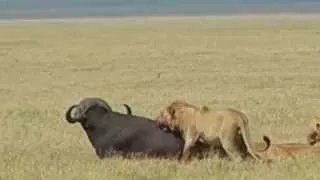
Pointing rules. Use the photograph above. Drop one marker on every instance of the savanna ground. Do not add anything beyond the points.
(266, 67)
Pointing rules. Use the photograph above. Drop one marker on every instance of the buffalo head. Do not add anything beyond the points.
(77, 112)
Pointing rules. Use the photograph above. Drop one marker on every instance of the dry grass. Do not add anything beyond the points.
(268, 68)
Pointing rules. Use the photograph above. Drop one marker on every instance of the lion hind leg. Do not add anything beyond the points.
(250, 151)
(247, 140)
(231, 150)
(229, 145)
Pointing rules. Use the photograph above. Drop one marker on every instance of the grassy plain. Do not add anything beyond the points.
(266, 67)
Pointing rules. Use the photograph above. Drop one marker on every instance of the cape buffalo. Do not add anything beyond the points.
(114, 133)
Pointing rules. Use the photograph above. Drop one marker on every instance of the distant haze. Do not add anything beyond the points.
(93, 8)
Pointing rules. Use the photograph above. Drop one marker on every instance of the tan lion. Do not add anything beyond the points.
(210, 127)
(291, 150)
(314, 136)
(297, 149)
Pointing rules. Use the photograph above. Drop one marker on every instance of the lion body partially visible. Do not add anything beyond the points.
(292, 150)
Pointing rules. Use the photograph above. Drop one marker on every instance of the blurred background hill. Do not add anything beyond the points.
(93, 8)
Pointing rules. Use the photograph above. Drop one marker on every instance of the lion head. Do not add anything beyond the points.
(314, 136)
(171, 115)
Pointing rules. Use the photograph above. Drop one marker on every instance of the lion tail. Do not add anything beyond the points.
(267, 144)
(247, 139)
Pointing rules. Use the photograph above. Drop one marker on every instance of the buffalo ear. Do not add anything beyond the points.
(318, 126)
